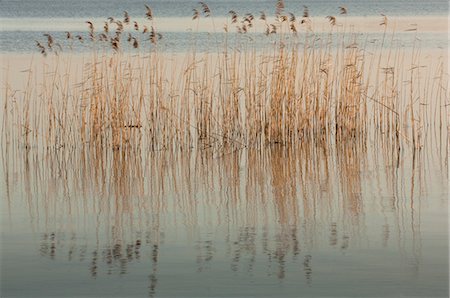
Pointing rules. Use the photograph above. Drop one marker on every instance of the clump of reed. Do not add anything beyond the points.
(300, 86)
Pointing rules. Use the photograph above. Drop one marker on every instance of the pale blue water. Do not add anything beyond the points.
(163, 8)
(23, 22)
(277, 222)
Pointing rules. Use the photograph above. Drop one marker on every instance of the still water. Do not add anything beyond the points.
(179, 8)
(347, 219)
(22, 22)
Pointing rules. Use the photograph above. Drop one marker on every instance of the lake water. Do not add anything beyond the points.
(347, 220)
(23, 22)
(335, 218)
(180, 8)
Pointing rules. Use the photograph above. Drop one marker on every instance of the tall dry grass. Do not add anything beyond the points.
(300, 86)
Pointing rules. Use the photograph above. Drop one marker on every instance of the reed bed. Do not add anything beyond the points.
(301, 85)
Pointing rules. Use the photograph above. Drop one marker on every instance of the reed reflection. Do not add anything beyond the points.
(271, 208)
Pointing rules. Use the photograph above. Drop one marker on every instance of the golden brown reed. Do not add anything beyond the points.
(301, 86)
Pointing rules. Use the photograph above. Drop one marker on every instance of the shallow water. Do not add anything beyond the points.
(319, 219)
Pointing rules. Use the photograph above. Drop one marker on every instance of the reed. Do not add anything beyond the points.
(300, 85)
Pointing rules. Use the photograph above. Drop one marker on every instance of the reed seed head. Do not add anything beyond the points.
(196, 14)
(262, 16)
(49, 40)
(102, 37)
(293, 28)
(332, 20)
(126, 17)
(234, 16)
(384, 21)
(279, 7)
(41, 48)
(305, 11)
(292, 17)
(205, 9)
(135, 43)
(149, 13)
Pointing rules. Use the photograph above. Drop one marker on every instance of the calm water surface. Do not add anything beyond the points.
(315, 220)
(177, 8)
(24, 21)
